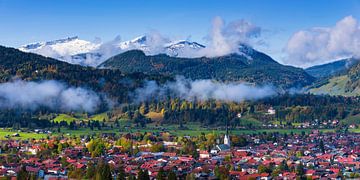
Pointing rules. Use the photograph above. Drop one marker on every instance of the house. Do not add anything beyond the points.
(204, 155)
(239, 115)
(237, 174)
(271, 111)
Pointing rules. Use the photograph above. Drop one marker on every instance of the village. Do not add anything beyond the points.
(315, 155)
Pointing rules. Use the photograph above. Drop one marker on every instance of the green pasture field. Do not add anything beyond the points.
(23, 135)
(171, 130)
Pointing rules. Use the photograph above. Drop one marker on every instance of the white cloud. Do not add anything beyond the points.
(155, 42)
(223, 39)
(50, 94)
(324, 44)
(203, 90)
(226, 38)
(110, 48)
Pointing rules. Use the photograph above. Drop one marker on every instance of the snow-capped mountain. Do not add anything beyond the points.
(180, 47)
(136, 43)
(60, 48)
(151, 46)
(183, 43)
(76, 51)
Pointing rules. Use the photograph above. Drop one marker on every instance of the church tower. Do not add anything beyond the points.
(226, 137)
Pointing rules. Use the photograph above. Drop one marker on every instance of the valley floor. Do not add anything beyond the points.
(6, 133)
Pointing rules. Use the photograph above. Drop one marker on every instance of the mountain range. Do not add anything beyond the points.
(143, 55)
(165, 58)
(76, 51)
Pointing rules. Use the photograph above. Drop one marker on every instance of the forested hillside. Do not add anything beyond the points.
(32, 67)
(254, 67)
(298, 108)
(346, 83)
(329, 69)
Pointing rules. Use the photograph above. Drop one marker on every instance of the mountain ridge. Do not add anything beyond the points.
(76, 51)
(255, 67)
(329, 69)
(344, 83)
(33, 67)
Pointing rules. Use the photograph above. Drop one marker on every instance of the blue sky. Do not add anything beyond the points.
(26, 21)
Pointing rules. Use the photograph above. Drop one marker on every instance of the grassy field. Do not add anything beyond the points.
(246, 121)
(23, 135)
(100, 117)
(351, 120)
(293, 124)
(64, 117)
(355, 130)
(76, 117)
(193, 130)
(335, 86)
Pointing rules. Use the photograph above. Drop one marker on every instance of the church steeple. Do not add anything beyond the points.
(226, 137)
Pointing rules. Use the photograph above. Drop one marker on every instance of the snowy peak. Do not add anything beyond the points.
(59, 41)
(183, 43)
(139, 42)
(140, 39)
(61, 47)
(76, 51)
(41, 44)
(146, 44)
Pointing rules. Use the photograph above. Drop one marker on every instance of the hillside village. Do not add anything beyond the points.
(315, 155)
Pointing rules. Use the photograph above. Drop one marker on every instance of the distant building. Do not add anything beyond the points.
(223, 147)
(239, 115)
(271, 111)
(226, 146)
(204, 155)
(226, 137)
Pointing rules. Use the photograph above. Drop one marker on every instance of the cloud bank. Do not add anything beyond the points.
(225, 38)
(49, 94)
(324, 44)
(203, 90)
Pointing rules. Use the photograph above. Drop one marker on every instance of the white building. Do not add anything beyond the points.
(271, 111)
(227, 137)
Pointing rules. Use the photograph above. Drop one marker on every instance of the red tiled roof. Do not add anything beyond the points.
(310, 172)
(168, 154)
(237, 173)
(32, 169)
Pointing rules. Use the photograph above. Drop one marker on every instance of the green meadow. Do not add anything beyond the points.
(172, 130)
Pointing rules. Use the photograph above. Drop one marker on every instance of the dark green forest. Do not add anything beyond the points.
(296, 108)
(259, 69)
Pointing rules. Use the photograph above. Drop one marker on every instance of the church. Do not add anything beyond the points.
(226, 145)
